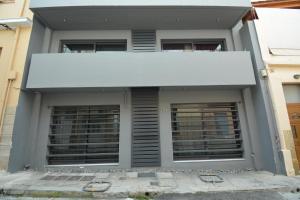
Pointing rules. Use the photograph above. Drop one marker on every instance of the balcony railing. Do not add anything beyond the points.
(125, 69)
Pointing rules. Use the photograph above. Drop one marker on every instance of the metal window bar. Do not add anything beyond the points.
(84, 135)
(203, 131)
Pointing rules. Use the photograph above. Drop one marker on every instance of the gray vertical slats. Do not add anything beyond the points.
(145, 128)
(144, 40)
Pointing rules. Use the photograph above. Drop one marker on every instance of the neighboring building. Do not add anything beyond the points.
(294, 4)
(14, 39)
(125, 83)
(278, 32)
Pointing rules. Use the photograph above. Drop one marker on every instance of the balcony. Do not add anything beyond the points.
(126, 69)
(141, 14)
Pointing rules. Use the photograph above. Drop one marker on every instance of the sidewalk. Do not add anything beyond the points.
(121, 184)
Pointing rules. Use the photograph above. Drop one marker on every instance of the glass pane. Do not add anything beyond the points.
(208, 47)
(177, 47)
(110, 47)
(78, 48)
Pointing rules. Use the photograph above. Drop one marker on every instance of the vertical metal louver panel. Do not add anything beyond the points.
(144, 40)
(203, 131)
(84, 135)
(145, 128)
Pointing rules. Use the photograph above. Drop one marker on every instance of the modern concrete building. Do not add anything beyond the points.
(124, 84)
(15, 28)
(278, 32)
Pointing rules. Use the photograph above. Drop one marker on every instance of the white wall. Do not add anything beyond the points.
(280, 28)
(292, 93)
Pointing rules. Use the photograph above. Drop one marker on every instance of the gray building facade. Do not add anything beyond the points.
(124, 84)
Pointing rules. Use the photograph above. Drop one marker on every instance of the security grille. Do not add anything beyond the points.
(84, 135)
(144, 40)
(145, 127)
(203, 131)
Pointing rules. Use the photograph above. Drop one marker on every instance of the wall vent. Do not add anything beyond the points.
(144, 40)
(145, 128)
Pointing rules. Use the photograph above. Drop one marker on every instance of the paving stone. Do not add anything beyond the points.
(164, 175)
(146, 175)
(179, 183)
(167, 183)
(131, 174)
(102, 175)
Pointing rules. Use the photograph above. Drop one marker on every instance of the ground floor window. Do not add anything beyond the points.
(203, 131)
(84, 135)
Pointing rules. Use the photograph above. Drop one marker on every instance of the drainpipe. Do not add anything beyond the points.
(11, 25)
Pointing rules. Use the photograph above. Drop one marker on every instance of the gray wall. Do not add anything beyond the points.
(122, 98)
(266, 135)
(71, 3)
(120, 69)
(22, 140)
(168, 97)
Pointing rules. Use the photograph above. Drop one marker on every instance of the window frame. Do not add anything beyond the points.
(222, 41)
(94, 42)
(7, 1)
(78, 109)
(238, 122)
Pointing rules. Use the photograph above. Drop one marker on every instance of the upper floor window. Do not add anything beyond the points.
(93, 46)
(193, 45)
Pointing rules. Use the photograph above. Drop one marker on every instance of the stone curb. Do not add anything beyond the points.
(45, 193)
(107, 195)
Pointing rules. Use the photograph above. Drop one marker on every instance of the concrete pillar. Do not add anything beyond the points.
(283, 125)
(34, 125)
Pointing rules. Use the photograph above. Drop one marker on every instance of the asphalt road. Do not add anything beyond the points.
(263, 195)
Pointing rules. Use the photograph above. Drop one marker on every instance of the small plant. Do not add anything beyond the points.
(141, 197)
